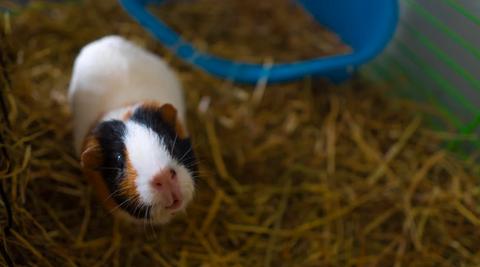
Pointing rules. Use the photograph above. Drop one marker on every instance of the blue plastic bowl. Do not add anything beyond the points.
(366, 25)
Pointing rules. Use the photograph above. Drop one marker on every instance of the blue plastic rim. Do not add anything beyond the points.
(367, 26)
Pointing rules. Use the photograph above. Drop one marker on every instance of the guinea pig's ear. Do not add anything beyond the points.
(91, 157)
(169, 114)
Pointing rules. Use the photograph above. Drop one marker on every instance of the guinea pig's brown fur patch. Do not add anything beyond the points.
(180, 130)
(128, 187)
(127, 115)
(91, 159)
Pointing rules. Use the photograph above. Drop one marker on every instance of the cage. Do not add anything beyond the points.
(434, 58)
(377, 170)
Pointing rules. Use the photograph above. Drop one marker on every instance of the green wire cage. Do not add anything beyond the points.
(435, 58)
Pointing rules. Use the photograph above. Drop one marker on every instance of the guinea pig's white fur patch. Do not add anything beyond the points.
(147, 155)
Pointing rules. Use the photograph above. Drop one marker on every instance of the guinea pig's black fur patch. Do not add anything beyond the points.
(181, 149)
(110, 135)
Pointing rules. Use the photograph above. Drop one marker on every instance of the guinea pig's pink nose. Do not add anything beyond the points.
(166, 183)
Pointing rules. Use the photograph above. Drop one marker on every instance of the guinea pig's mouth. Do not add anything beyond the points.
(159, 214)
(169, 204)
(174, 206)
(165, 193)
(158, 210)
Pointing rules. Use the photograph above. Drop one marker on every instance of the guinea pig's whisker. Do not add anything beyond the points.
(196, 171)
(118, 206)
(201, 172)
(121, 204)
(186, 153)
(174, 142)
(198, 176)
(118, 191)
(137, 207)
(144, 220)
(199, 160)
(110, 196)
(150, 219)
(191, 164)
(110, 168)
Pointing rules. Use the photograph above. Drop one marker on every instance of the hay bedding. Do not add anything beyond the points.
(250, 30)
(302, 174)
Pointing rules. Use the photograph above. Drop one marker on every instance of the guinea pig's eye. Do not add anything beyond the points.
(118, 157)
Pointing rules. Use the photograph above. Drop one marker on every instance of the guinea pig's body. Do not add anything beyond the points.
(110, 74)
(129, 130)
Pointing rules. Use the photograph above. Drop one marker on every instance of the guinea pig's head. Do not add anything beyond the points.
(143, 164)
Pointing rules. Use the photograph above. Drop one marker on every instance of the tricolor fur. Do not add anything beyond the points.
(129, 114)
(124, 152)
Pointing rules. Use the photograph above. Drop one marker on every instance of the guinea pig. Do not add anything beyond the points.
(129, 130)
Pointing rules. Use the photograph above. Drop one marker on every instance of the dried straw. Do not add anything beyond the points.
(231, 28)
(301, 174)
